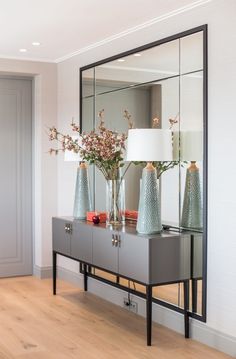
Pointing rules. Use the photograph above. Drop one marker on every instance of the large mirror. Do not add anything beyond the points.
(165, 80)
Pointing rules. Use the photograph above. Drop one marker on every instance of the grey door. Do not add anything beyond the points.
(15, 177)
(61, 235)
(105, 254)
(134, 257)
(82, 242)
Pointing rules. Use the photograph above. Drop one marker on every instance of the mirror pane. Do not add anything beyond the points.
(172, 293)
(149, 65)
(196, 273)
(160, 99)
(191, 53)
(137, 102)
(169, 180)
(191, 174)
(196, 296)
(88, 105)
(191, 151)
(88, 82)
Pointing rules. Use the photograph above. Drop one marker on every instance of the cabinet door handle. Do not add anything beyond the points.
(116, 241)
(68, 228)
(119, 241)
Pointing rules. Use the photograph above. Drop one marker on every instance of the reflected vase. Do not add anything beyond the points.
(115, 201)
(192, 216)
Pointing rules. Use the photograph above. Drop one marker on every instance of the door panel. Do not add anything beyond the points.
(81, 242)
(15, 177)
(105, 255)
(133, 257)
(61, 236)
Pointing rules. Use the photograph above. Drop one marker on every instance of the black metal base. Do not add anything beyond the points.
(86, 270)
(186, 308)
(194, 295)
(149, 314)
(85, 278)
(54, 272)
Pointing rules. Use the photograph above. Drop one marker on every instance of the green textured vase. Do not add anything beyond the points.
(82, 203)
(192, 206)
(149, 216)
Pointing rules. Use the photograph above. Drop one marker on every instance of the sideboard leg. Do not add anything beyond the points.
(85, 278)
(149, 314)
(54, 272)
(194, 295)
(186, 308)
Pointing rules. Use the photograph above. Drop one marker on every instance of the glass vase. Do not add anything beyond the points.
(115, 201)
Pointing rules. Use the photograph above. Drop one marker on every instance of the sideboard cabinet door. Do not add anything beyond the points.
(105, 250)
(134, 257)
(81, 242)
(61, 230)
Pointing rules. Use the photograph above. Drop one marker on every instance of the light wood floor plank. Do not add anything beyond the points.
(37, 325)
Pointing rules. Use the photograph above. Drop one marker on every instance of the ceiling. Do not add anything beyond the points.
(66, 27)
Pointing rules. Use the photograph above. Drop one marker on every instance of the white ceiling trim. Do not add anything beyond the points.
(134, 29)
(25, 58)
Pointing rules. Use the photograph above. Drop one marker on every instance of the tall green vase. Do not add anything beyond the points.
(82, 203)
(192, 206)
(149, 216)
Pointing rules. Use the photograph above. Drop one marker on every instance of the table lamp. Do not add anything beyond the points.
(149, 145)
(190, 148)
(82, 201)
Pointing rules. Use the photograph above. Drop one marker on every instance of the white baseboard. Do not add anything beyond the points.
(198, 331)
(42, 272)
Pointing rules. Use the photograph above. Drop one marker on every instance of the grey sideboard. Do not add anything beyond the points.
(149, 260)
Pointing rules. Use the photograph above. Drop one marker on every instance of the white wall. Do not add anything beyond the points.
(220, 17)
(45, 167)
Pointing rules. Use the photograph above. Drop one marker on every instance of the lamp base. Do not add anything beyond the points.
(192, 206)
(149, 216)
(82, 203)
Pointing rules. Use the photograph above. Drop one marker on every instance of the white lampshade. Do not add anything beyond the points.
(71, 156)
(188, 145)
(149, 145)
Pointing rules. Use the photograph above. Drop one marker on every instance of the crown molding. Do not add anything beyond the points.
(34, 59)
(134, 29)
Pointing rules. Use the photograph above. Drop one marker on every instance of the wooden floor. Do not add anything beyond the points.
(34, 324)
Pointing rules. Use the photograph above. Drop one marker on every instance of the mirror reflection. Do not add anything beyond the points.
(163, 82)
(141, 67)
